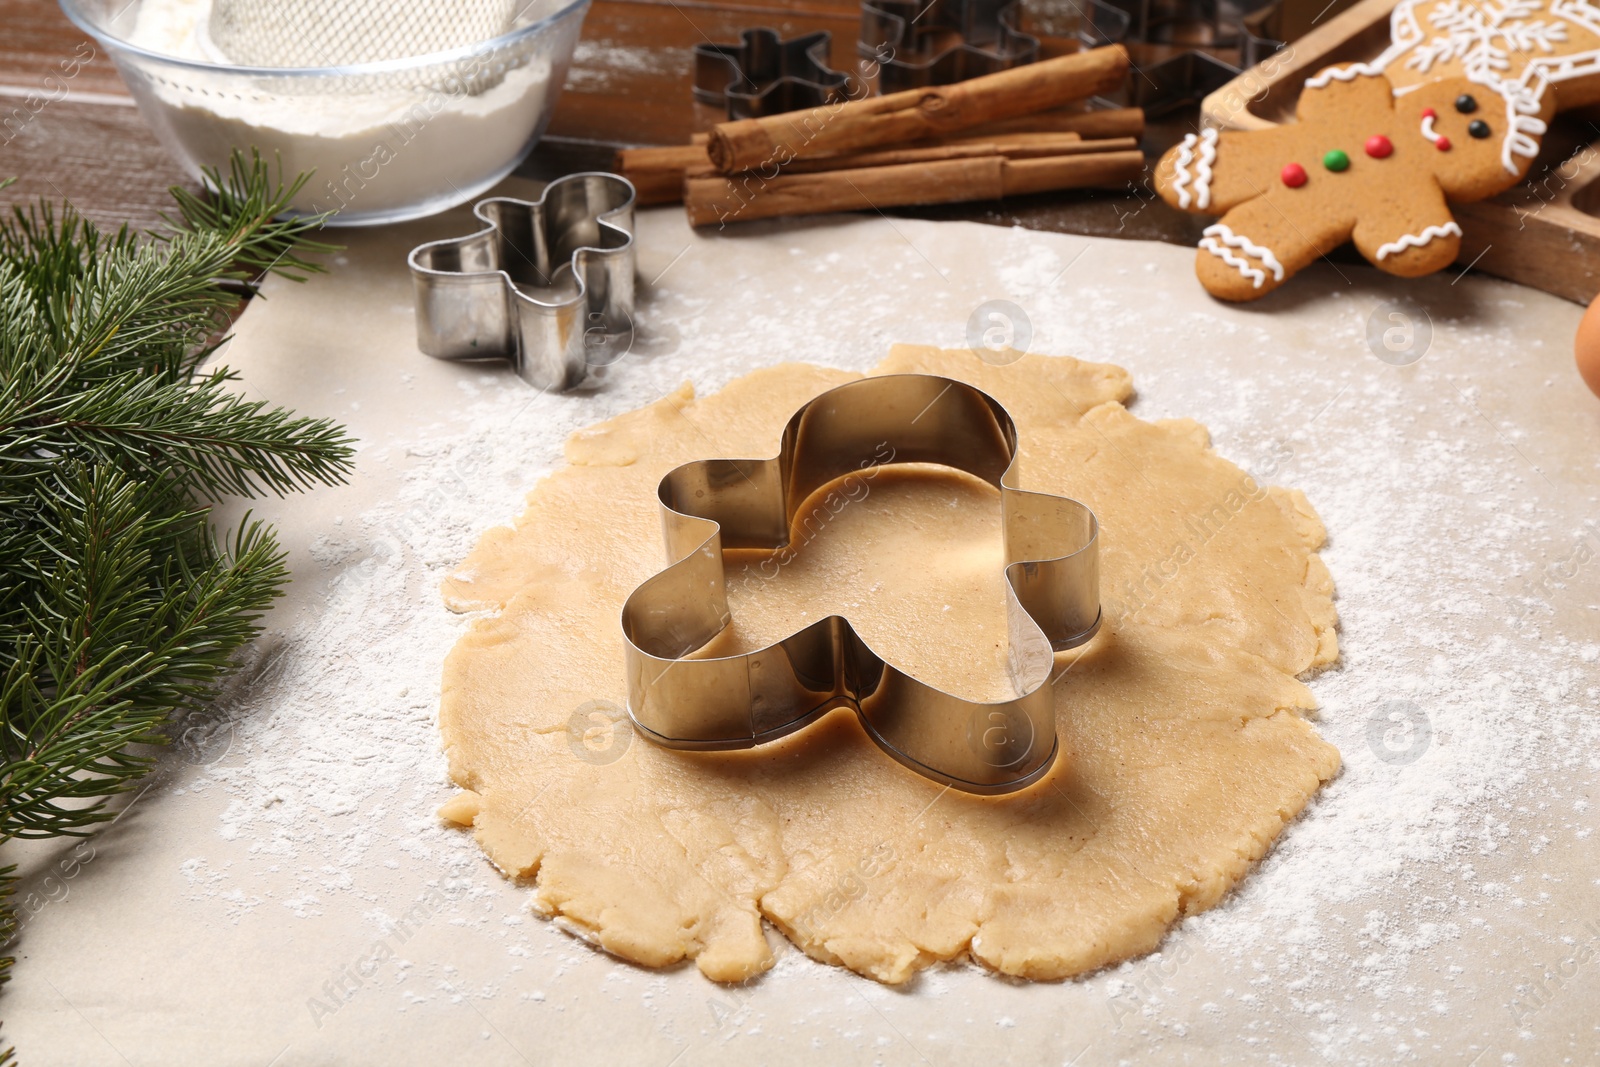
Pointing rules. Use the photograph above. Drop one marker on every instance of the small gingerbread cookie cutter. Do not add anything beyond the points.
(918, 43)
(546, 284)
(765, 75)
(681, 698)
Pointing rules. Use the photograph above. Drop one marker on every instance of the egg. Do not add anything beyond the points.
(1586, 347)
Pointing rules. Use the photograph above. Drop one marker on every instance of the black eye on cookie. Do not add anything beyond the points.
(1478, 128)
(1466, 103)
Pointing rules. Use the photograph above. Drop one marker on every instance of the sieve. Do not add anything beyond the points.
(332, 33)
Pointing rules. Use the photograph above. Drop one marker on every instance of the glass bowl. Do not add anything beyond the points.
(386, 141)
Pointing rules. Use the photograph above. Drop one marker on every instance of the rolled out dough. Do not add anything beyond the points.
(1184, 753)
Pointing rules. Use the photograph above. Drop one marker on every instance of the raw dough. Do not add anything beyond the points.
(1184, 752)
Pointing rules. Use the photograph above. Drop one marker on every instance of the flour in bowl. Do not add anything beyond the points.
(381, 146)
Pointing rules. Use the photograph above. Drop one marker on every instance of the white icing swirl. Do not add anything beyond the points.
(1207, 143)
(1202, 169)
(1229, 239)
(1417, 240)
(1180, 168)
(1343, 74)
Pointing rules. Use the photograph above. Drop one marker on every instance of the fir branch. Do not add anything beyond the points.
(193, 432)
(120, 607)
(250, 214)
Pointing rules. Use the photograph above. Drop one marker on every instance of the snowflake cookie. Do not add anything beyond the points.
(1517, 47)
(1364, 163)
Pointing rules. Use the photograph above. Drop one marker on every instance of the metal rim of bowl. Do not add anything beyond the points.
(79, 18)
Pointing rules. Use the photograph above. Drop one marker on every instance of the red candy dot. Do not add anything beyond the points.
(1293, 175)
(1442, 143)
(1379, 147)
(1429, 113)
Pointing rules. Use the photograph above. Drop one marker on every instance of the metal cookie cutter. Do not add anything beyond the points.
(765, 75)
(1199, 28)
(1187, 78)
(684, 701)
(917, 43)
(546, 284)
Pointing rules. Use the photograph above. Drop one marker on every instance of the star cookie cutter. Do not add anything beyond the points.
(546, 284)
(765, 75)
(917, 43)
(1184, 79)
(1192, 31)
(680, 699)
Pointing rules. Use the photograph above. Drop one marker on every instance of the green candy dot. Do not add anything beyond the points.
(1336, 161)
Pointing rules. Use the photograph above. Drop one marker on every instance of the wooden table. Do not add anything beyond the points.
(628, 85)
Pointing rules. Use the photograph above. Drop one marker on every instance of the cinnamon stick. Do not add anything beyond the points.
(1017, 146)
(658, 173)
(1111, 122)
(1050, 173)
(915, 114)
(712, 199)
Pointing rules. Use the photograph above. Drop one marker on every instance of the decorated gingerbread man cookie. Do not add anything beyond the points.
(1362, 164)
(1517, 60)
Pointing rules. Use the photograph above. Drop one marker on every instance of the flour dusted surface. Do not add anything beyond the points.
(1415, 912)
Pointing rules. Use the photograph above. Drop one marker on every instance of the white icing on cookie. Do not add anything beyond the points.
(1343, 74)
(1180, 168)
(1427, 127)
(1239, 263)
(1202, 169)
(1521, 127)
(1207, 142)
(1417, 240)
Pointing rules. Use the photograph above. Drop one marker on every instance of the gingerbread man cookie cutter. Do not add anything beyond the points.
(766, 75)
(546, 284)
(681, 699)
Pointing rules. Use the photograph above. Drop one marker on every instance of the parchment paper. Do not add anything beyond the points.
(175, 938)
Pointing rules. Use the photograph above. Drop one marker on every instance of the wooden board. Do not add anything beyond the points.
(1544, 233)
